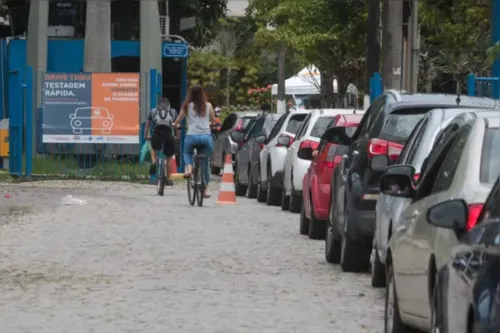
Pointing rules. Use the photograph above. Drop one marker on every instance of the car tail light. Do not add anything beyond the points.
(239, 126)
(416, 177)
(474, 211)
(309, 144)
(261, 145)
(384, 147)
(331, 159)
(291, 141)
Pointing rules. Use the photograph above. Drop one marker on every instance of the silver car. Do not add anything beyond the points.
(273, 155)
(237, 121)
(463, 164)
(389, 208)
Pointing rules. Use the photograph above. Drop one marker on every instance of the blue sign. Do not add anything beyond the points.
(175, 50)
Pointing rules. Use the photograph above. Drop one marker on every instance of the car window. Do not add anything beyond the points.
(416, 144)
(373, 111)
(408, 146)
(320, 126)
(303, 127)
(269, 124)
(399, 124)
(295, 122)
(247, 121)
(491, 209)
(490, 157)
(258, 127)
(447, 171)
(277, 127)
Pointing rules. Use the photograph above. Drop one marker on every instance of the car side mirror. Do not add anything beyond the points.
(337, 135)
(305, 153)
(237, 137)
(379, 163)
(261, 138)
(451, 214)
(397, 185)
(284, 141)
(401, 169)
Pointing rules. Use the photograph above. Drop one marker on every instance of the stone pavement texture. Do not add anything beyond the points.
(130, 261)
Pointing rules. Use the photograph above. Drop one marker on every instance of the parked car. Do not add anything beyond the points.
(389, 208)
(384, 130)
(237, 121)
(248, 156)
(316, 182)
(463, 164)
(308, 135)
(272, 157)
(466, 296)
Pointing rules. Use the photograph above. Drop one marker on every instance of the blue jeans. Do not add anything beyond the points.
(204, 139)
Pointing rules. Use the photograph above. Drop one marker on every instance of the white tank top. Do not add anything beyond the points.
(198, 125)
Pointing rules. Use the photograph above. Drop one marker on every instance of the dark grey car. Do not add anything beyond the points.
(248, 156)
(236, 121)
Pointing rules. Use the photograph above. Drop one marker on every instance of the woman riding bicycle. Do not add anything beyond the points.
(199, 114)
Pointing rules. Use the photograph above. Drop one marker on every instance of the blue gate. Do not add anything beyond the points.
(376, 87)
(20, 105)
(483, 86)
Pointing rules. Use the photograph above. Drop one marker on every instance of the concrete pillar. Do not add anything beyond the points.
(151, 52)
(97, 56)
(36, 49)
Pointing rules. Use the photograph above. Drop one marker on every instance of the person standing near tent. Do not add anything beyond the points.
(291, 106)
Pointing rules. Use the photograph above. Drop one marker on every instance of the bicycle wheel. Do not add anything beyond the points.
(161, 176)
(200, 184)
(191, 187)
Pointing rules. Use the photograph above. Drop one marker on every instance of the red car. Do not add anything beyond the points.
(316, 182)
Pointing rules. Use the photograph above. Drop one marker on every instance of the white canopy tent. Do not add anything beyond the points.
(306, 82)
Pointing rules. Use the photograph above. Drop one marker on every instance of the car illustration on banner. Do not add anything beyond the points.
(91, 118)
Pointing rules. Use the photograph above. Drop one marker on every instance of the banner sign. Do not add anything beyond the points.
(90, 107)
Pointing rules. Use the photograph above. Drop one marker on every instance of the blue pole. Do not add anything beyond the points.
(471, 85)
(29, 121)
(495, 38)
(184, 87)
(15, 123)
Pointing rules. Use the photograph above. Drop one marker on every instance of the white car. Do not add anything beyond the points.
(308, 135)
(272, 156)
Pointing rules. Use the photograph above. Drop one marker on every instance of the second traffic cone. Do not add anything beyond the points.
(227, 193)
(172, 168)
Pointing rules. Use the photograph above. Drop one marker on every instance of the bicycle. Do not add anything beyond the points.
(161, 171)
(196, 183)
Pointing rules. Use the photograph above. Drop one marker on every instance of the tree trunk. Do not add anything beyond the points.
(327, 94)
(98, 36)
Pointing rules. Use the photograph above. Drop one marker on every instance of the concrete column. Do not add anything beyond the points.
(151, 52)
(36, 49)
(97, 56)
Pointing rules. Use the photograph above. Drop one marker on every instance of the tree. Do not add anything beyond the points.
(332, 40)
(207, 14)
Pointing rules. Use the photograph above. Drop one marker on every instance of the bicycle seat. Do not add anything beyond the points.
(199, 146)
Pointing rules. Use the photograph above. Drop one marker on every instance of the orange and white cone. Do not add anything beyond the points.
(172, 168)
(227, 193)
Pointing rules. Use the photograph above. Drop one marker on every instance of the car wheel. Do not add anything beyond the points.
(392, 318)
(252, 188)
(377, 270)
(273, 194)
(354, 254)
(295, 202)
(239, 189)
(317, 228)
(261, 194)
(332, 245)
(304, 221)
(285, 200)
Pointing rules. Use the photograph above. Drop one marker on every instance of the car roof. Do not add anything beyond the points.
(441, 99)
(246, 113)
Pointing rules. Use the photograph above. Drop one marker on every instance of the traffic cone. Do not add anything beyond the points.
(172, 168)
(227, 194)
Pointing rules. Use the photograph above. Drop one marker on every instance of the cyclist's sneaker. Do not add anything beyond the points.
(152, 169)
(170, 182)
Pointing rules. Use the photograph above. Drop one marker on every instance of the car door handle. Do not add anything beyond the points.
(355, 153)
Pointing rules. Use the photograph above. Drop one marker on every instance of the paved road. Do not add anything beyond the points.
(130, 261)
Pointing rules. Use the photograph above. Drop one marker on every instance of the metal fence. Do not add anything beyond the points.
(85, 125)
(483, 86)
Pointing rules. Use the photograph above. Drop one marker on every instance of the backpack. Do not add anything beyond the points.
(163, 117)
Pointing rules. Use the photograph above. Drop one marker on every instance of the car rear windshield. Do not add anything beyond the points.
(294, 122)
(490, 158)
(399, 124)
(245, 121)
(321, 125)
